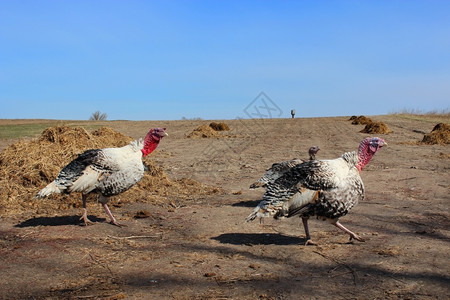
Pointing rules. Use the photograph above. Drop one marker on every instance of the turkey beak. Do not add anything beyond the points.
(165, 134)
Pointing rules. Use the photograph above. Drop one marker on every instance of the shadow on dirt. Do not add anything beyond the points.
(258, 239)
(56, 221)
(249, 203)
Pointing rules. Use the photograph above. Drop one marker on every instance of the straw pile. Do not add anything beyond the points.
(371, 126)
(440, 135)
(28, 166)
(376, 127)
(203, 131)
(209, 131)
(361, 120)
(219, 126)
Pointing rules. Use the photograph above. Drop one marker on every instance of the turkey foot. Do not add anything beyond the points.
(113, 220)
(310, 242)
(356, 237)
(85, 218)
(117, 224)
(352, 234)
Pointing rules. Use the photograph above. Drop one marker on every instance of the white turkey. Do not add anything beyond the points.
(278, 169)
(327, 189)
(108, 171)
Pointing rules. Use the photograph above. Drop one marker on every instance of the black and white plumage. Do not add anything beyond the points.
(274, 172)
(108, 171)
(327, 189)
(278, 169)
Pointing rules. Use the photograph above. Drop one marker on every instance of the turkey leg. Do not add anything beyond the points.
(84, 216)
(352, 235)
(308, 237)
(103, 200)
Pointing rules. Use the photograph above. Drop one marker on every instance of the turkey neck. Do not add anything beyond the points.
(150, 144)
(364, 154)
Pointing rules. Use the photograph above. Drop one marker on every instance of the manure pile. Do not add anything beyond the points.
(371, 126)
(209, 131)
(440, 135)
(28, 166)
(361, 120)
(376, 127)
(219, 126)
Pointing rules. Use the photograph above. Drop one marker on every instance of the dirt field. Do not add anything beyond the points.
(202, 249)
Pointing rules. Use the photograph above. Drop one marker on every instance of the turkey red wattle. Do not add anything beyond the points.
(152, 139)
(367, 149)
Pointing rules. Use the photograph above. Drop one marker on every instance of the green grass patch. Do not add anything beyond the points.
(8, 132)
(17, 131)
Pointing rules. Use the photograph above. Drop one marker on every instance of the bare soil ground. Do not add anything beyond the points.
(202, 249)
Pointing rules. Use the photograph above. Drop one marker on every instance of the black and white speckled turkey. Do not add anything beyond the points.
(108, 171)
(279, 169)
(327, 189)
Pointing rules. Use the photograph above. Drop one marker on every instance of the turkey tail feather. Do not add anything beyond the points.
(49, 189)
(263, 210)
(252, 216)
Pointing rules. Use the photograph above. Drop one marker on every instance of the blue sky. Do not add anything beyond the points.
(164, 60)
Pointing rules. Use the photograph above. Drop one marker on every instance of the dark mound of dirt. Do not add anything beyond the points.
(142, 214)
(376, 127)
(209, 131)
(440, 135)
(219, 126)
(361, 120)
(28, 166)
(203, 131)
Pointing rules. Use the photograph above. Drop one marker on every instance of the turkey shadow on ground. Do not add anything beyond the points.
(250, 239)
(248, 203)
(57, 221)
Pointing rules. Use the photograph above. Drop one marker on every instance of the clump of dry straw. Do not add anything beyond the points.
(361, 120)
(210, 131)
(27, 166)
(439, 135)
(376, 127)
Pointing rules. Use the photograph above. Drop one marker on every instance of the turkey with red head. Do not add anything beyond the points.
(108, 171)
(327, 189)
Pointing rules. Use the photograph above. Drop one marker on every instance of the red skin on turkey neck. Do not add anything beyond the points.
(152, 140)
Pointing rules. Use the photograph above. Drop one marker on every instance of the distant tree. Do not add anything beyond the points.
(98, 116)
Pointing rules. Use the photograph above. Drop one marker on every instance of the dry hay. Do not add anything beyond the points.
(28, 166)
(376, 127)
(209, 131)
(439, 135)
(203, 131)
(162, 190)
(219, 126)
(361, 120)
(389, 251)
(142, 214)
